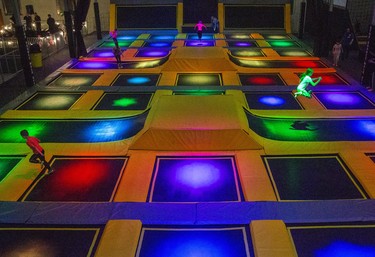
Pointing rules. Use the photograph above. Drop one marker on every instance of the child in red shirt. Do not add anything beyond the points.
(38, 151)
(199, 27)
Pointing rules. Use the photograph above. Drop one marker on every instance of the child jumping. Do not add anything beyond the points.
(199, 28)
(306, 80)
(38, 151)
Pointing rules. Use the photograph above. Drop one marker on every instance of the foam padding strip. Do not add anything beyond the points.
(255, 182)
(256, 36)
(87, 101)
(271, 239)
(119, 239)
(136, 180)
(263, 43)
(363, 169)
(269, 52)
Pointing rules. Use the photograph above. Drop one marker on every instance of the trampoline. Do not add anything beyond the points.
(68, 80)
(313, 130)
(7, 163)
(293, 52)
(330, 79)
(181, 242)
(73, 131)
(278, 64)
(200, 43)
(272, 101)
(261, 79)
(195, 179)
(152, 53)
(193, 79)
(321, 177)
(136, 80)
(344, 100)
(246, 52)
(21, 240)
(50, 101)
(237, 43)
(124, 101)
(78, 179)
(336, 240)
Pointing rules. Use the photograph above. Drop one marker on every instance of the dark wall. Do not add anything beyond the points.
(137, 17)
(254, 16)
(199, 10)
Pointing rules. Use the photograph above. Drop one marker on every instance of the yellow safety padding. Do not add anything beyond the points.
(136, 180)
(230, 78)
(112, 17)
(129, 53)
(221, 16)
(287, 19)
(168, 78)
(269, 52)
(180, 16)
(87, 101)
(271, 239)
(195, 123)
(262, 43)
(256, 36)
(363, 169)
(255, 182)
(119, 239)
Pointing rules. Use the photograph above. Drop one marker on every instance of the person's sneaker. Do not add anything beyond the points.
(50, 171)
(41, 165)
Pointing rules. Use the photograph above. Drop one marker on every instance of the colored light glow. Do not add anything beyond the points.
(138, 80)
(277, 37)
(294, 53)
(200, 43)
(341, 98)
(56, 101)
(238, 36)
(204, 37)
(72, 81)
(281, 43)
(120, 43)
(261, 80)
(124, 102)
(243, 44)
(367, 127)
(102, 54)
(159, 44)
(198, 175)
(162, 37)
(306, 64)
(272, 100)
(93, 65)
(147, 64)
(246, 53)
(106, 131)
(153, 53)
(329, 79)
(126, 37)
(195, 243)
(345, 249)
(200, 79)
(12, 133)
(252, 63)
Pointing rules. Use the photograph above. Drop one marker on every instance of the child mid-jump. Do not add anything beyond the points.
(306, 80)
(38, 152)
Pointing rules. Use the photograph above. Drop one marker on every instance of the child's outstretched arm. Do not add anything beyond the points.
(315, 81)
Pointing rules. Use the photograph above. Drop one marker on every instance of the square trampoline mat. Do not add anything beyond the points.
(334, 240)
(272, 101)
(261, 79)
(195, 179)
(196, 241)
(344, 100)
(199, 79)
(123, 101)
(21, 240)
(78, 179)
(74, 79)
(320, 177)
(136, 80)
(50, 101)
(7, 163)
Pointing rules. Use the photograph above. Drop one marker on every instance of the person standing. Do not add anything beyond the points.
(347, 42)
(28, 22)
(117, 53)
(336, 52)
(38, 23)
(214, 23)
(113, 34)
(51, 24)
(199, 28)
(38, 151)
